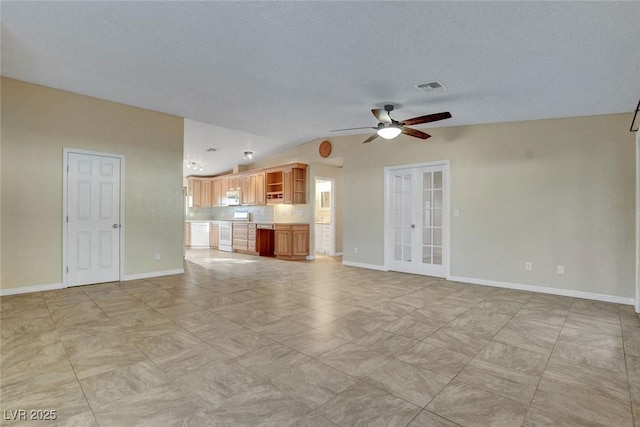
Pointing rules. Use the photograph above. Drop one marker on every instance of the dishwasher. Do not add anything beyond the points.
(225, 236)
(199, 234)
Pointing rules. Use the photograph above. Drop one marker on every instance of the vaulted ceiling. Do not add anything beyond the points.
(267, 75)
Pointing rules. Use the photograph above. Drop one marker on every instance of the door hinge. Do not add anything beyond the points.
(67, 168)
(67, 219)
(67, 269)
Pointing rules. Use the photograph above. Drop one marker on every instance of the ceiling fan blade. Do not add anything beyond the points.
(416, 133)
(427, 119)
(366, 127)
(381, 115)
(371, 138)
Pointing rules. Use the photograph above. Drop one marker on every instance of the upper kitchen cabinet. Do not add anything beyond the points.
(261, 197)
(287, 185)
(200, 189)
(284, 184)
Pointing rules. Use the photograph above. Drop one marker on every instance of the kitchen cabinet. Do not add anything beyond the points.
(249, 196)
(260, 191)
(287, 181)
(240, 233)
(284, 184)
(235, 182)
(195, 191)
(323, 238)
(274, 187)
(205, 194)
(200, 190)
(216, 192)
(288, 186)
(291, 241)
(214, 235)
(251, 239)
(299, 186)
(219, 192)
(253, 192)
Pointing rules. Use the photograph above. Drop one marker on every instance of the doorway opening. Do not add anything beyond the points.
(324, 214)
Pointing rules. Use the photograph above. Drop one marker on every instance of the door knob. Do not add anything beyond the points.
(413, 226)
(116, 225)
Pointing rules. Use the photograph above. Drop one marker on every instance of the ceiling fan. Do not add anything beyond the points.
(389, 128)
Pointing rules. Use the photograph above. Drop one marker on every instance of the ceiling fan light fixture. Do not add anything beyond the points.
(389, 132)
(248, 155)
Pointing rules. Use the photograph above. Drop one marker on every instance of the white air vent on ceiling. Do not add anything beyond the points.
(431, 87)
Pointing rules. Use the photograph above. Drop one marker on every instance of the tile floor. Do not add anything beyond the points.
(246, 341)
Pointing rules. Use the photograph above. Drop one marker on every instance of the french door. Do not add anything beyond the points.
(93, 225)
(417, 213)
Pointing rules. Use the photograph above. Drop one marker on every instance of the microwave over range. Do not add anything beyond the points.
(234, 197)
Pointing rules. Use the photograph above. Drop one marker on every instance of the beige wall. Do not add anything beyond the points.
(552, 192)
(37, 122)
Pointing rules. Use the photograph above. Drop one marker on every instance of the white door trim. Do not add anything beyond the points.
(637, 301)
(65, 165)
(388, 238)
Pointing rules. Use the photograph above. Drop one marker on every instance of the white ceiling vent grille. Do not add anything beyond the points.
(431, 87)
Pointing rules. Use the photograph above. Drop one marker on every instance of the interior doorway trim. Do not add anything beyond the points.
(637, 299)
(446, 205)
(65, 196)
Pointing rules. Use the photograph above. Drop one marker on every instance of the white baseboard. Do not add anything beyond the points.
(363, 265)
(29, 289)
(338, 254)
(153, 274)
(545, 290)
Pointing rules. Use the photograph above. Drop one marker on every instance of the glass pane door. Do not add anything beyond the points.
(402, 217)
(432, 227)
(417, 220)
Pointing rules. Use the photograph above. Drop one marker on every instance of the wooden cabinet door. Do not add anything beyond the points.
(300, 242)
(197, 193)
(214, 235)
(282, 244)
(235, 183)
(251, 189)
(260, 191)
(216, 197)
(205, 196)
(224, 187)
(287, 177)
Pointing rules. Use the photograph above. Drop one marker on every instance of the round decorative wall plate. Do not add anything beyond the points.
(325, 149)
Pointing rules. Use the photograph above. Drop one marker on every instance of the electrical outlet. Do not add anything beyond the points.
(560, 269)
(355, 250)
(528, 266)
(157, 256)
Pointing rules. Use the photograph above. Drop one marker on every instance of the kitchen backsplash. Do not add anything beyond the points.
(223, 213)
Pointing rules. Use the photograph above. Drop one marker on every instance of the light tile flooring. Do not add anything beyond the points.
(246, 341)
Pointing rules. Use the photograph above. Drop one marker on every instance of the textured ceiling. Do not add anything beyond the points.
(283, 73)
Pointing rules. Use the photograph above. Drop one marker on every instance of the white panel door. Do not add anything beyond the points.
(417, 213)
(93, 210)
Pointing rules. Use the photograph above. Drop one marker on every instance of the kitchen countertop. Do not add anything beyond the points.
(244, 222)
